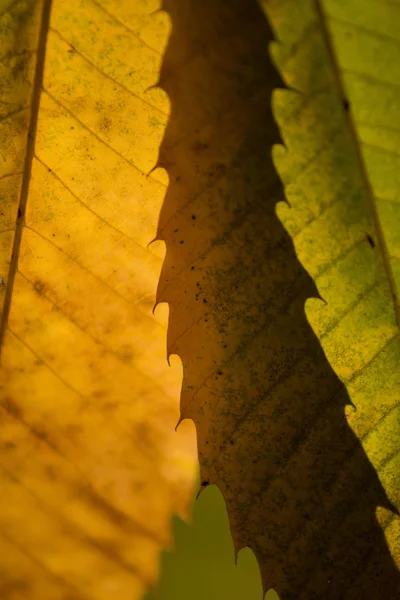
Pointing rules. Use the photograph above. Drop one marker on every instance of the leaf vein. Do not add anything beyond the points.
(363, 29)
(130, 163)
(11, 174)
(55, 576)
(94, 66)
(125, 26)
(30, 148)
(371, 78)
(13, 113)
(88, 207)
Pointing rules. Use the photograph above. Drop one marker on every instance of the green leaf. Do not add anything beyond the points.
(365, 53)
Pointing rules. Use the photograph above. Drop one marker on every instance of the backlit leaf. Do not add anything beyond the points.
(91, 470)
(283, 316)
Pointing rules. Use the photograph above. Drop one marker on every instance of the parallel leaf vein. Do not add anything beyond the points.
(130, 163)
(119, 84)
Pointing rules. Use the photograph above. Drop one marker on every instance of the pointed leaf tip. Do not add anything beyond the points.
(152, 87)
(156, 239)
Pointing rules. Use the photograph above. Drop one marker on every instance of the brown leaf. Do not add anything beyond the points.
(268, 405)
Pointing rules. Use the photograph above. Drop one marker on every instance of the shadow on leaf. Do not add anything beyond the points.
(268, 407)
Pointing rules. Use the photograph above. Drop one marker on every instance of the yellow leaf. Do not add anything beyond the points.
(91, 469)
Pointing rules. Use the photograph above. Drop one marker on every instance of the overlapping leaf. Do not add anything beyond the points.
(285, 326)
(91, 470)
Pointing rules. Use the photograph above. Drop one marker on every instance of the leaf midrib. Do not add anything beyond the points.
(30, 150)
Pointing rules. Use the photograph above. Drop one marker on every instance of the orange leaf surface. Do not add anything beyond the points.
(91, 469)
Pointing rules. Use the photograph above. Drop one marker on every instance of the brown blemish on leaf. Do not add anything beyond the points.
(12, 408)
(40, 433)
(199, 147)
(125, 353)
(105, 124)
(10, 445)
(40, 286)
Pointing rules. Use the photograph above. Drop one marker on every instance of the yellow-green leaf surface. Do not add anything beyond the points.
(340, 166)
(365, 51)
(91, 469)
(281, 298)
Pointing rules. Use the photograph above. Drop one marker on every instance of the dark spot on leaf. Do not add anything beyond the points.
(205, 301)
(205, 483)
(346, 104)
(198, 146)
(12, 408)
(181, 242)
(370, 240)
(105, 124)
(193, 217)
(192, 268)
(39, 286)
(19, 213)
(176, 230)
(40, 433)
